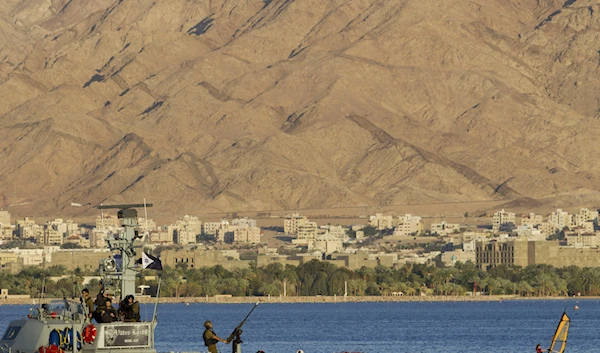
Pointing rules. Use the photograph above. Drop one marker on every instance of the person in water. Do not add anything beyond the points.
(538, 349)
(211, 338)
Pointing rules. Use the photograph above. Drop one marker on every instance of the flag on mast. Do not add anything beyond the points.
(151, 262)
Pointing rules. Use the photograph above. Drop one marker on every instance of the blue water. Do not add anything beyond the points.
(508, 326)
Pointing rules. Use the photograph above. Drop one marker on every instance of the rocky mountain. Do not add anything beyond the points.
(224, 105)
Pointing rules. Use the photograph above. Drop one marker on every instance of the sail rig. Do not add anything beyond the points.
(559, 341)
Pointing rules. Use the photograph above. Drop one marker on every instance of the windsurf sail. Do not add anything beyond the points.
(559, 341)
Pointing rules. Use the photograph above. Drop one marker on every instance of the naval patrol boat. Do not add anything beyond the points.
(63, 326)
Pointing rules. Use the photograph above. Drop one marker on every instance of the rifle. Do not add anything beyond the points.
(237, 332)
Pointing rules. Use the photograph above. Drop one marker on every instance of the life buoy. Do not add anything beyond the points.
(89, 333)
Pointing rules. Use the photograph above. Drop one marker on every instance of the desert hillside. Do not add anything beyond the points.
(224, 105)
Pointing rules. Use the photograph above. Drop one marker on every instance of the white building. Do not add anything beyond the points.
(292, 223)
(97, 238)
(307, 234)
(146, 225)
(53, 237)
(161, 237)
(327, 243)
(585, 216)
(246, 234)
(581, 239)
(189, 224)
(444, 228)
(503, 221)
(408, 225)
(211, 228)
(107, 221)
(242, 222)
(381, 222)
(184, 237)
(560, 219)
(530, 233)
(336, 232)
(532, 221)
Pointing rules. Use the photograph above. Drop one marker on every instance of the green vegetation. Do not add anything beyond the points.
(370, 231)
(322, 278)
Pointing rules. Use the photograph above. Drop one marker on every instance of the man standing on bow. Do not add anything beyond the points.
(210, 338)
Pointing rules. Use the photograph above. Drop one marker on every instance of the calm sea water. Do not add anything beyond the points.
(508, 326)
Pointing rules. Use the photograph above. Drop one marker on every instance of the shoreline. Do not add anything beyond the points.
(224, 299)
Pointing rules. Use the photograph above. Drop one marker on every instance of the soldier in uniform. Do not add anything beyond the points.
(100, 303)
(211, 338)
(109, 314)
(88, 302)
(130, 309)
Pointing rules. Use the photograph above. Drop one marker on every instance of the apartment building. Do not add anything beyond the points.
(242, 222)
(409, 225)
(97, 237)
(292, 223)
(327, 243)
(307, 233)
(189, 224)
(197, 258)
(444, 228)
(585, 215)
(381, 222)
(161, 237)
(53, 237)
(582, 239)
(524, 252)
(335, 232)
(503, 221)
(495, 253)
(532, 221)
(107, 221)
(246, 234)
(184, 237)
(26, 228)
(560, 220)
(211, 228)
(145, 225)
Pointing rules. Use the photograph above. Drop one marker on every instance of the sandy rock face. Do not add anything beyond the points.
(279, 104)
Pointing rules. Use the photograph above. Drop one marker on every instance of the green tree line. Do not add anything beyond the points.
(322, 278)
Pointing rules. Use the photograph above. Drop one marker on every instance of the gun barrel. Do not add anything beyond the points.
(238, 327)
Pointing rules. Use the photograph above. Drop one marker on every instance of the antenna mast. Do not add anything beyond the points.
(124, 244)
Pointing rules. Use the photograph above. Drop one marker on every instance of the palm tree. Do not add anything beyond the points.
(525, 288)
(544, 284)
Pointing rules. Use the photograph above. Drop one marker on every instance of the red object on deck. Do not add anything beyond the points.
(89, 333)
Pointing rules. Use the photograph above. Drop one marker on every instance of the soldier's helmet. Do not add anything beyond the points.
(207, 324)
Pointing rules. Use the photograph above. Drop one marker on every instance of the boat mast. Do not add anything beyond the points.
(124, 244)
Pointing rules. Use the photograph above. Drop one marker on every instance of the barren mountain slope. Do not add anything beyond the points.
(230, 105)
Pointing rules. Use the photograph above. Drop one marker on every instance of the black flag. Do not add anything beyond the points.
(151, 262)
